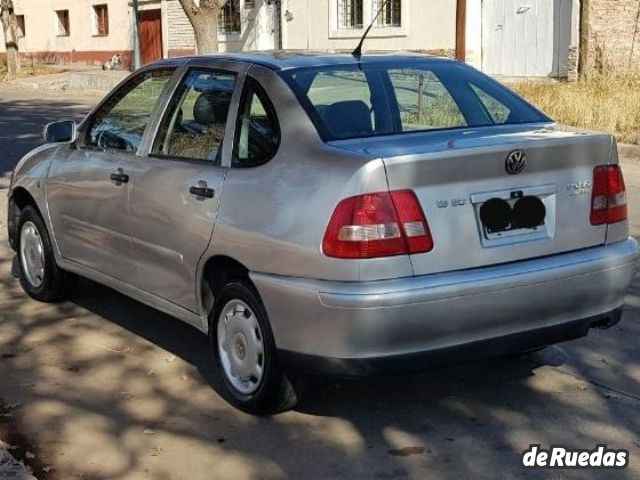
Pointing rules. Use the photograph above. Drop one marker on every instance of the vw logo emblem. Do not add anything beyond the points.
(516, 161)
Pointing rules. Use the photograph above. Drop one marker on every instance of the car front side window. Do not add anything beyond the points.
(121, 121)
(195, 122)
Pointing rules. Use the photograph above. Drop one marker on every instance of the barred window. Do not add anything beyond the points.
(229, 20)
(391, 14)
(350, 14)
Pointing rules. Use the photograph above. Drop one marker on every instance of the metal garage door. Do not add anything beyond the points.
(526, 38)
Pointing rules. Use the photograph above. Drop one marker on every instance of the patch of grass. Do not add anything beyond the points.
(609, 103)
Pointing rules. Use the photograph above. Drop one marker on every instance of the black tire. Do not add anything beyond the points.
(56, 284)
(275, 392)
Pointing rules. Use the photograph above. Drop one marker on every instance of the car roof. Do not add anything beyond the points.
(291, 59)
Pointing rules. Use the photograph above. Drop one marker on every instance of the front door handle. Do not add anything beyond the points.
(201, 190)
(119, 176)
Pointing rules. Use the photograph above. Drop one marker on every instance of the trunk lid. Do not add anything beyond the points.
(455, 173)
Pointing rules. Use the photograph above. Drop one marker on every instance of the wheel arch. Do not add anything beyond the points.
(19, 199)
(217, 271)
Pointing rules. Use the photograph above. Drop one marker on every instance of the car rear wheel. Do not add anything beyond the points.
(40, 276)
(245, 355)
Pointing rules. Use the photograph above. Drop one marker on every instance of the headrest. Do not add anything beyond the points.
(211, 106)
(349, 118)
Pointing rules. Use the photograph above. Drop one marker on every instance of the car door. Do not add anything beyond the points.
(89, 181)
(177, 185)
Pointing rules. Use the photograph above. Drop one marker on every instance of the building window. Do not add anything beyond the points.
(229, 20)
(350, 14)
(391, 13)
(100, 20)
(21, 27)
(62, 23)
(249, 4)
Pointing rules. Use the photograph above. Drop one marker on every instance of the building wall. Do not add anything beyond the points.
(612, 39)
(427, 25)
(41, 43)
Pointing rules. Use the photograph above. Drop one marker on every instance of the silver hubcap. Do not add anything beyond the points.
(32, 254)
(241, 346)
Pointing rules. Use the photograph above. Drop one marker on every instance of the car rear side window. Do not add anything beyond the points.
(383, 97)
(120, 123)
(194, 125)
(257, 130)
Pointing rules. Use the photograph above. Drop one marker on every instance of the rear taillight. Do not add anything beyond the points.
(378, 224)
(609, 197)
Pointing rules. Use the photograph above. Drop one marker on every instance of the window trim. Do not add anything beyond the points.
(183, 75)
(267, 103)
(85, 128)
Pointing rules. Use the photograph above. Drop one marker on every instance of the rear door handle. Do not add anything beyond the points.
(119, 176)
(201, 191)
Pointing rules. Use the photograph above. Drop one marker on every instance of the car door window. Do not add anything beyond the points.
(121, 121)
(194, 124)
(258, 131)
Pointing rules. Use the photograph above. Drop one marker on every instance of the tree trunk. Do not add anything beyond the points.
(205, 28)
(10, 29)
(204, 20)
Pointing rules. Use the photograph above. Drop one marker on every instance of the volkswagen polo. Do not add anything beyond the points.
(334, 214)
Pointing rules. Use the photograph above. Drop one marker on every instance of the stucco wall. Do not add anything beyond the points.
(41, 39)
(426, 25)
(613, 36)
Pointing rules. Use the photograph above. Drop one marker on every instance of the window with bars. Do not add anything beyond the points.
(391, 14)
(229, 20)
(350, 13)
(21, 26)
(62, 23)
(100, 20)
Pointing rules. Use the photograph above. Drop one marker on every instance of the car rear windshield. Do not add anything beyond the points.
(355, 101)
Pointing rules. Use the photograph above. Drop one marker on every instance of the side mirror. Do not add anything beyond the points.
(60, 132)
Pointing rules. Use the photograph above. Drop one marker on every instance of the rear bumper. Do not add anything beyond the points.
(521, 304)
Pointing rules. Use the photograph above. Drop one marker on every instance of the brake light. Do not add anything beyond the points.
(609, 197)
(378, 224)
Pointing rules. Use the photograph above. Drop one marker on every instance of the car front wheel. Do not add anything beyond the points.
(40, 276)
(247, 369)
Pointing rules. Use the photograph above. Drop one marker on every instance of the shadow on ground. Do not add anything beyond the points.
(123, 392)
(22, 121)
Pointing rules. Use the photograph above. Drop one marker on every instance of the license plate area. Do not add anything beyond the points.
(515, 215)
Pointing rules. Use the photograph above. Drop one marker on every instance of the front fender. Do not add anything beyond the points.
(29, 180)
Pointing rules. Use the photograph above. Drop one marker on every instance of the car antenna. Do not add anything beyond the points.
(358, 50)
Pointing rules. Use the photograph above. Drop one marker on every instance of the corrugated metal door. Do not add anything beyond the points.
(526, 38)
(150, 35)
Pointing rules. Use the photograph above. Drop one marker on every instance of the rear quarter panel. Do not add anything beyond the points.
(272, 218)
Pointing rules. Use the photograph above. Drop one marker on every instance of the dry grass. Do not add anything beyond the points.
(28, 70)
(607, 103)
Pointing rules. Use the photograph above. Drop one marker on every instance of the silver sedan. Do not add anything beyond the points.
(329, 214)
